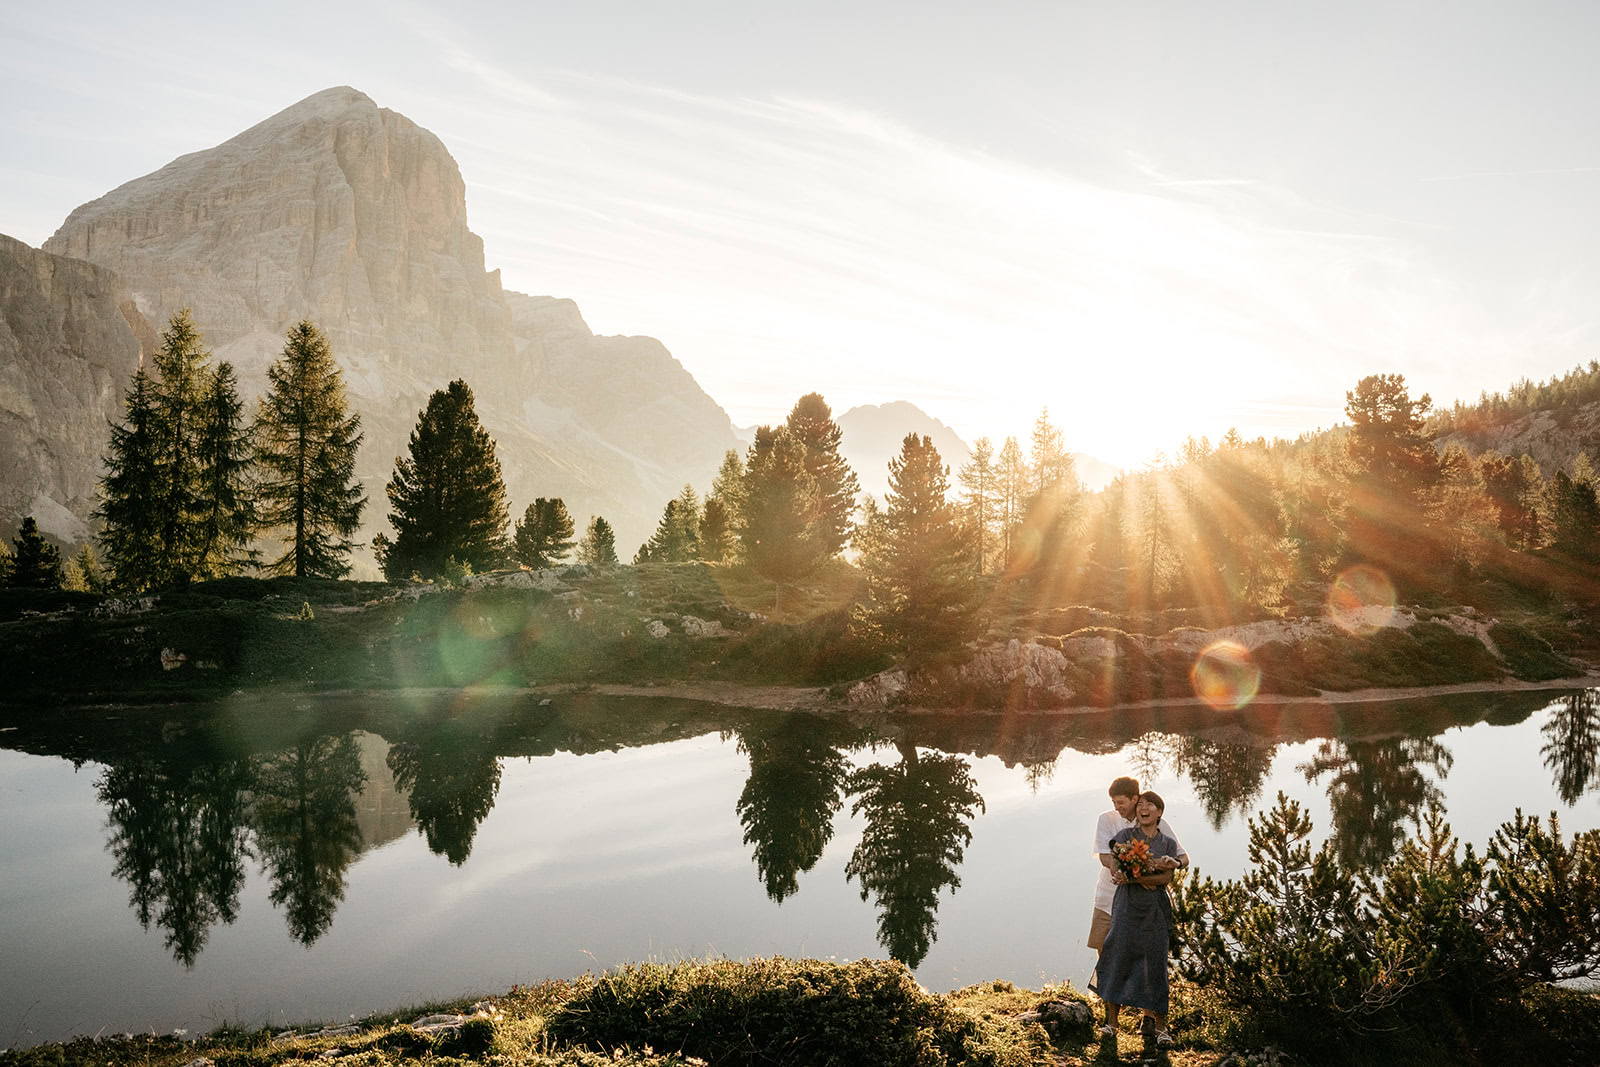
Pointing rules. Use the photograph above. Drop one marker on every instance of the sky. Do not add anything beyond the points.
(1153, 219)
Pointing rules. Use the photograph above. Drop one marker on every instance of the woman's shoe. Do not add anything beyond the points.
(1108, 1032)
(1164, 1039)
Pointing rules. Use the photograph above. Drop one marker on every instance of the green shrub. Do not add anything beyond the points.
(1529, 656)
(1410, 961)
(807, 1013)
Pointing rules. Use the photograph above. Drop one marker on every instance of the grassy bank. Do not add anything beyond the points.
(801, 1013)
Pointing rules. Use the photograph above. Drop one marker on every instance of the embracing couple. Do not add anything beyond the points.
(1138, 852)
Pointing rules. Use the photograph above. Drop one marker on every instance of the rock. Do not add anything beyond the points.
(879, 691)
(172, 659)
(1061, 1018)
(704, 628)
(200, 1061)
(546, 580)
(656, 628)
(70, 340)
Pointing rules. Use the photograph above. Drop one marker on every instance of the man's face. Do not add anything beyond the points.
(1125, 805)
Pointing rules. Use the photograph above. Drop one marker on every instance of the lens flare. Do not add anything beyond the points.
(1225, 677)
(1361, 600)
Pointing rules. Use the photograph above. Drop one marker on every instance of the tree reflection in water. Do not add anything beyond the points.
(179, 837)
(1376, 787)
(1572, 744)
(306, 830)
(451, 779)
(795, 787)
(917, 816)
(1227, 775)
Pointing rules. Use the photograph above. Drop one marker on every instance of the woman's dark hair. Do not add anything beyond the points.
(1124, 787)
(1154, 798)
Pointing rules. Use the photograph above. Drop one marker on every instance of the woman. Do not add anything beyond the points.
(1133, 965)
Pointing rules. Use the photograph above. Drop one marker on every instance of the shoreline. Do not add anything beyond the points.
(815, 698)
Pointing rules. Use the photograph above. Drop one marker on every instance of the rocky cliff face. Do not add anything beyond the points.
(70, 340)
(353, 216)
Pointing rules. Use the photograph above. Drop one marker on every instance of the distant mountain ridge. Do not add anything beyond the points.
(353, 216)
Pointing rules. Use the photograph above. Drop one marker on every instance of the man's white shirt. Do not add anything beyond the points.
(1110, 825)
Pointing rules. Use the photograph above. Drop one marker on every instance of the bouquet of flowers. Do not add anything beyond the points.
(1133, 858)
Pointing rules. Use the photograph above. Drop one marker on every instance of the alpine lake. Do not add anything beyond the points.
(278, 861)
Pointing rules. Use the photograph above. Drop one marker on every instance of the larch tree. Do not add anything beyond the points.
(543, 536)
(1011, 481)
(599, 545)
(447, 495)
(130, 519)
(979, 496)
(811, 422)
(919, 580)
(677, 535)
(179, 391)
(307, 439)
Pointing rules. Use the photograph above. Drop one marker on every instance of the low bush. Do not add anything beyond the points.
(807, 1013)
(1529, 656)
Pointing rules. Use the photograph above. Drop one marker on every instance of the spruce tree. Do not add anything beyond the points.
(919, 574)
(599, 545)
(448, 497)
(674, 540)
(811, 421)
(716, 532)
(225, 519)
(35, 562)
(129, 512)
(307, 439)
(544, 533)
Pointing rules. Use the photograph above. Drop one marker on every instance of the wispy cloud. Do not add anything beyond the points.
(1473, 175)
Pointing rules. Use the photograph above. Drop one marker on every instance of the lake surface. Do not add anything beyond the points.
(273, 862)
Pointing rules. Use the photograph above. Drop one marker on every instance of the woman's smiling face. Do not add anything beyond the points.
(1148, 814)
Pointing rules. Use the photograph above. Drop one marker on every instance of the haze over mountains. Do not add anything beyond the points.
(351, 215)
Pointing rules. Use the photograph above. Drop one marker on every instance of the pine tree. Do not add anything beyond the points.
(35, 562)
(979, 493)
(448, 497)
(179, 391)
(307, 441)
(130, 522)
(544, 534)
(811, 421)
(779, 520)
(918, 570)
(225, 520)
(599, 545)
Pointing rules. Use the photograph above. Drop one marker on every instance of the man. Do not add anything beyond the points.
(1124, 799)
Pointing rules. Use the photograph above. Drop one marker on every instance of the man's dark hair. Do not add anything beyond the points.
(1153, 797)
(1124, 787)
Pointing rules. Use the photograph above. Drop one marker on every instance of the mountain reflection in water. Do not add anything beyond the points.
(192, 798)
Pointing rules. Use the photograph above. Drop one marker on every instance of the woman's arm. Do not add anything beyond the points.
(1156, 881)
